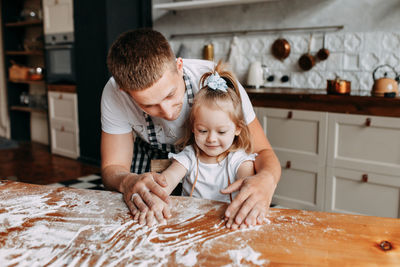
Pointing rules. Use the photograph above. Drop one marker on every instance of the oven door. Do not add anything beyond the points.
(60, 63)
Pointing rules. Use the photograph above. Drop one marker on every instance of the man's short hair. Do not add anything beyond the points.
(138, 59)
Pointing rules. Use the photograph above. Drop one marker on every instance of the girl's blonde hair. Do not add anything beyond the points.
(229, 102)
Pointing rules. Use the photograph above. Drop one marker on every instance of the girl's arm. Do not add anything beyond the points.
(245, 169)
(173, 175)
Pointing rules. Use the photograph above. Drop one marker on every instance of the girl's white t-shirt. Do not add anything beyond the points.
(212, 177)
(120, 114)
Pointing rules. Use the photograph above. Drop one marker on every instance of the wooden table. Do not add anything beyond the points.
(41, 225)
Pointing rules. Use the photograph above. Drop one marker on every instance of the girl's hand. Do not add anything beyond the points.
(252, 202)
(157, 214)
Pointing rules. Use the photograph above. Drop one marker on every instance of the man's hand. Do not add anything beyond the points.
(141, 192)
(252, 202)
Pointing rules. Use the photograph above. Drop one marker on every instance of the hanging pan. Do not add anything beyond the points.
(307, 61)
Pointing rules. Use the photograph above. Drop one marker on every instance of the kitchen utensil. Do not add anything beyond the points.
(307, 61)
(255, 76)
(385, 85)
(323, 53)
(338, 87)
(208, 52)
(36, 74)
(281, 49)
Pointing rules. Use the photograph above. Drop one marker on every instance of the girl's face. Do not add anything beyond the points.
(214, 132)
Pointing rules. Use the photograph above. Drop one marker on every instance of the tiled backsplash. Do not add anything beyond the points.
(353, 56)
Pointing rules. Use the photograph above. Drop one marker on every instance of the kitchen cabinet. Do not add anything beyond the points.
(24, 61)
(299, 140)
(58, 16)
(361, 192)
(363, 165)
(335, 162)
(64, 131)
(369, 143)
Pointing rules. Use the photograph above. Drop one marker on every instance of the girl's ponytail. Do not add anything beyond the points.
(229, 77)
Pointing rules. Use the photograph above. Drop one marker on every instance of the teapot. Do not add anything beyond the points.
(386, 86)
(255, 77)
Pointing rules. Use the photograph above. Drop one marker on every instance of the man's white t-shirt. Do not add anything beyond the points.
(212, 177)
(120, 114)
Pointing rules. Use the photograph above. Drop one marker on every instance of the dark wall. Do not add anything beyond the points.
(97, 24)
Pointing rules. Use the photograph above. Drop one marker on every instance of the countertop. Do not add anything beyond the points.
(319, 100)
(47, 226)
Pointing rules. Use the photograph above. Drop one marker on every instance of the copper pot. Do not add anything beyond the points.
(338, 87)
(281, 49)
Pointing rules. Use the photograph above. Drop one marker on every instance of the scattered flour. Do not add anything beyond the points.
(52, 227)
(246, 254)
(188, 259)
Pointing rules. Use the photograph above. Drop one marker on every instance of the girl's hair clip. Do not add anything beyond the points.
(215, 82)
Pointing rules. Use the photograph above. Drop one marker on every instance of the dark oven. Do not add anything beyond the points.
(60, 58)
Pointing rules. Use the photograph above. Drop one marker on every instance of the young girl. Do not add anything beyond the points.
(217, 144)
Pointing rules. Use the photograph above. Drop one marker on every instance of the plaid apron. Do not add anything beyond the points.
(144, 152)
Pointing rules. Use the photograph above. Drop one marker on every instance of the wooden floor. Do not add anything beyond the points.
(33, 163)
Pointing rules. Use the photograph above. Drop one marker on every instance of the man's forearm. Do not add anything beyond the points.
(113, 177)
(267, 162)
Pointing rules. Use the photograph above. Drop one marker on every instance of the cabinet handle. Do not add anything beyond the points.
(290, 115)
(288, 164)
(368, 122)
(60, 96)
(364, 178)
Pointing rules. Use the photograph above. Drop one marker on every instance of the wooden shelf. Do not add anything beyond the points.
(204, 4)
(25, 53)
(29, 109)
(64, 88)
(24, 23)
(26, 81)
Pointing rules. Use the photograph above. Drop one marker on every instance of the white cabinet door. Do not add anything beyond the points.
(63, 114)
(302, 184)
(58, 16)
(299, 140)
(368, 143)
(358, 192)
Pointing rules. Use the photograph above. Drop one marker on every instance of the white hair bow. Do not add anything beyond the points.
(215, 82)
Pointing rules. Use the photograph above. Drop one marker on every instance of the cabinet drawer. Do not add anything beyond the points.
(364, 143)
(63, 106)
(301, 185)
(365, 193)
(298, 132)
(64, 142)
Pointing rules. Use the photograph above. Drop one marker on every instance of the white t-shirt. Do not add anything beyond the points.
(212, 177)
(120, 114)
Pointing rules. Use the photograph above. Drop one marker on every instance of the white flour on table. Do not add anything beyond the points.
(67, 227)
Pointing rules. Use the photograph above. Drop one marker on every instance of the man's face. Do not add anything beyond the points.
(164, 98)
